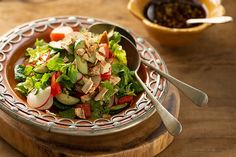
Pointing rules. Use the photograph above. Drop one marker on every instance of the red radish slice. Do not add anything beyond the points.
(79, 76)
(44, 102)
(41, 98)
(60, 32)
(47, 105)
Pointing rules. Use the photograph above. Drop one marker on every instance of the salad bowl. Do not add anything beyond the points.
(136, 122)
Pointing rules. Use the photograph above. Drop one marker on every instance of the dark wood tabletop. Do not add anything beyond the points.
(208, 64)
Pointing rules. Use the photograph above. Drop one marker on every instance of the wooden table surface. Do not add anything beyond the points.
(209, 64)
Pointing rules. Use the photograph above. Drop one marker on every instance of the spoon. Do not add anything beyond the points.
(212, 20)
(197, 96)
(171, 123)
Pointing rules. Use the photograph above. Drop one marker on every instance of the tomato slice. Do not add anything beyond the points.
(106, 76)
(125, 99)
(60, 32)
(86, 108)
(55, 86)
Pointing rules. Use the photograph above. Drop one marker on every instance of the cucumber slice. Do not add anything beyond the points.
(41, 68)
(118, 108)
(56, 45)
(66, 99)
(82, 65)
(79, 44)
(55, 56)
(60, 106)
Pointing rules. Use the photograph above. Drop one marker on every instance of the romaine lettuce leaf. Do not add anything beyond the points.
(98, 109)
(72, 73)
(55, 63)
(28, 70)
(127, 85)
(111, 91)
(19, 72)
(117, 50)
(41, 47)
(69, 113)
(20, 87)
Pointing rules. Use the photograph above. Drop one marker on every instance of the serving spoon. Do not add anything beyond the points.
(172, 125)
(212, 20)
(197, 96)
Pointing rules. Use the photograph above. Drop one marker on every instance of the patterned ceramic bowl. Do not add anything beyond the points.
(136, 122)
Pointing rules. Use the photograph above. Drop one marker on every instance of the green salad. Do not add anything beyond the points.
(77, 74)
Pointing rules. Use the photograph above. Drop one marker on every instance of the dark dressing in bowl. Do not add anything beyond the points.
(174, 13)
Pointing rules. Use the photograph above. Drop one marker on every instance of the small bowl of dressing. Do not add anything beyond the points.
(166, 20)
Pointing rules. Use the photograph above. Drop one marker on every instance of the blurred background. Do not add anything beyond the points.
(209, 64)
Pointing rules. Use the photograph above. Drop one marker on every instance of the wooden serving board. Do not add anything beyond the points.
(151, 146)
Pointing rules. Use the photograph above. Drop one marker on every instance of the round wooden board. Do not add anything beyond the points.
(151, 146)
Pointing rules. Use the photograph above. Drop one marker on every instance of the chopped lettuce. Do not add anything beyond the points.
(19, 72)
(117, 50)
(41, 47)
(111, 91)
(120, 54)
(28, 70)
(72, 73)
(122, 71)
(127, 85)
(29, 79)
(116, 37)
(98, 109)
(136, 86)
(68, 71)
(69, 113)
(20, 87)
(38, 85)
(64, 80)
(55, 63)
(29, 84)
(68, 75)
(107, 85)
(45, 79)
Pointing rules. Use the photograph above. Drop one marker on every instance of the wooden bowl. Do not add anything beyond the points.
(126, 128)
(175, 36)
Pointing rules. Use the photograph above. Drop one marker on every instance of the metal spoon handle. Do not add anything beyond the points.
(172, 125)
(220, 19)
(197, 96)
